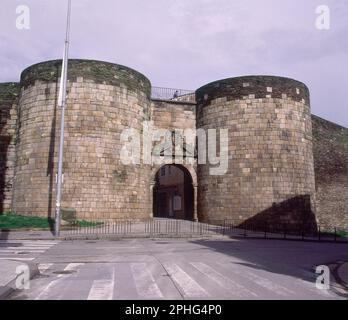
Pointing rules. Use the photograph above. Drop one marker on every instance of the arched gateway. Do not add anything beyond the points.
(174, 193)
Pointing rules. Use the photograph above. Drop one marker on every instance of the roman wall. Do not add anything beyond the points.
(331, 172)
(8, 126)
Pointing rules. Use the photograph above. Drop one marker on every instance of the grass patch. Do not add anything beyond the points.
(342, 233)
(85, 224)
(339, 233)
(14, 221)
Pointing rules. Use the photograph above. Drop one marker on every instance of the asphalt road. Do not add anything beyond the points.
(184, 269)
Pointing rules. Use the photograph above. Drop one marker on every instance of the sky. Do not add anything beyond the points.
(188, 43)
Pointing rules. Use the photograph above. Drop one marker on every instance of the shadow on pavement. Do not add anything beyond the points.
(294, 259)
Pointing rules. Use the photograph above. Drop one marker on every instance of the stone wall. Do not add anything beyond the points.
(173, 114)
(270, 179)
(103, 99)
(331, 172)
(8, 120)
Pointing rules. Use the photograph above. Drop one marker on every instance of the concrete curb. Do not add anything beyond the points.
(10, 287)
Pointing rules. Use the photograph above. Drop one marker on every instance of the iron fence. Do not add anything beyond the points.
(182, 228)
(173, 94)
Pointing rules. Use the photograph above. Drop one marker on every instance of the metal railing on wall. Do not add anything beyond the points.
(171, 94)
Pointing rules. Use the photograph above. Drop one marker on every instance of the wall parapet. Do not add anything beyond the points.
(99, 72)
(253, 87)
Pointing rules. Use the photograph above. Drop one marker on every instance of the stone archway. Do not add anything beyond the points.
(174, 192)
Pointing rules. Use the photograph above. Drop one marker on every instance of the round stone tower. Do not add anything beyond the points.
(270, 177)
(103, 99)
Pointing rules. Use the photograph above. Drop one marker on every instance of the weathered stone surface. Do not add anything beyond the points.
(254, 87)
(8, 120)
(331, 172)
(99, 72)
(96, 183)
(173, 115)
(270, 151)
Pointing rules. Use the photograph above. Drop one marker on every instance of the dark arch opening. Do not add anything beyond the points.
(173, 193)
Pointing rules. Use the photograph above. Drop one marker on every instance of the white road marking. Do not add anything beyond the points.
(27, 242)
(46, 291)
(10, 249)
(31, 243)
(44, 267)
(26, 247)
(144, 282)
(102, 289)
(120, 247)
(190, 287)
(14, 258)
(70, 267)
(223, 281)
(7, 251)
(263, 282)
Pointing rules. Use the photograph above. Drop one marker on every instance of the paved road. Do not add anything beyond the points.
(184, 269)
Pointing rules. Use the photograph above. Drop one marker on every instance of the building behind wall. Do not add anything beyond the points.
(285, 166)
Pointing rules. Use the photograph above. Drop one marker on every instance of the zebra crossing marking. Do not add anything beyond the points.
(263, 282)
(15, 258)
(7, 251)
(188, 279)
(10, 249)
(190, 287)
(102, 289)
(44, 294)
(144, 282)
(70, 267)
(44, 267)
(29, 241)
(13, 246)
(222, 280)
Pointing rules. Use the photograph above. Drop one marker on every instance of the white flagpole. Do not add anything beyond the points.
(61, 84)
(62, 104)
